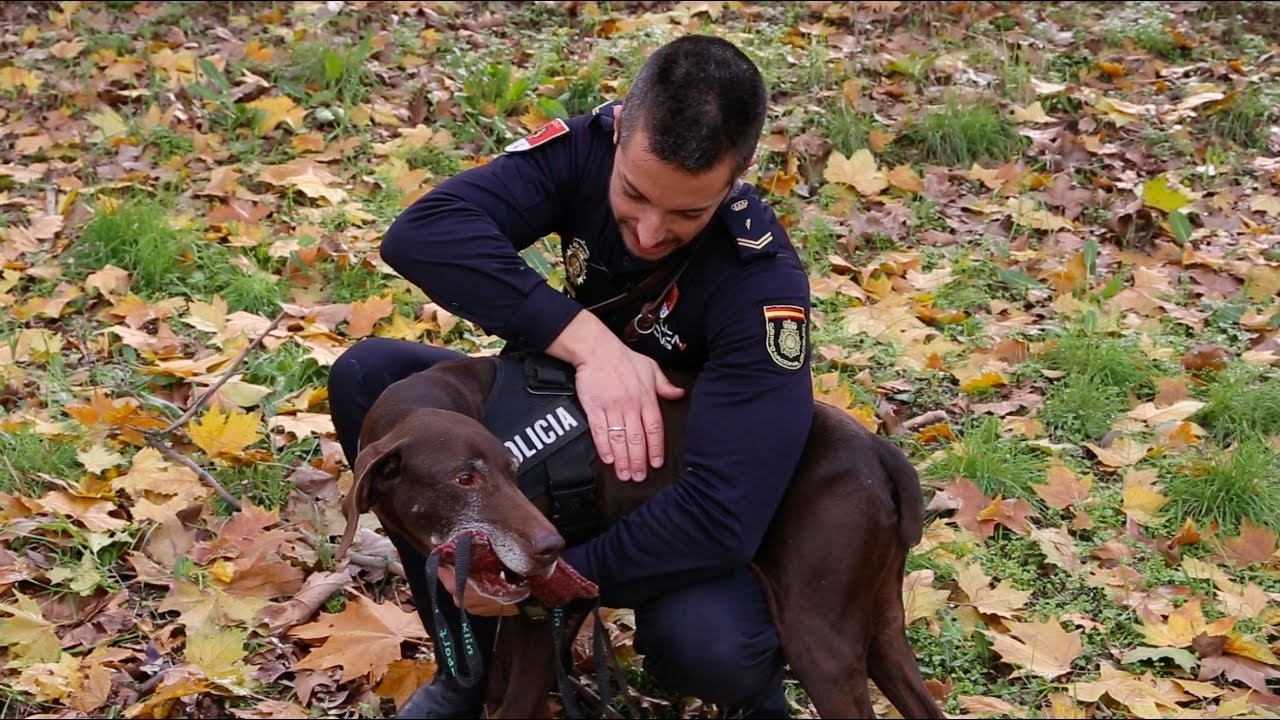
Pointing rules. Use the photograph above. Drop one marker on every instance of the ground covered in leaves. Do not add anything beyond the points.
(1045, 260)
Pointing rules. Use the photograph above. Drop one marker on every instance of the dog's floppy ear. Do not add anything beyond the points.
(381, 457)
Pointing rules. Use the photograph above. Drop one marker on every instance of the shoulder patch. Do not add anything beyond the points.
(541, 136)
(786, 335)
(750, 223)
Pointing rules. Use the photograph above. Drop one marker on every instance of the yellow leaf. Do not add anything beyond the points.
(99, 458)
(367, 313)
(1042, 648)
(1158, 193)
(1122, 453)
(985, 379)
(217, 651)
(275, 110)
(14, 77)
(859, 171)
(27, 633)
(1033, 113)
(50, 681)
(225, 435)
(1142, 503)
(919, 597)
(1001, 600)
(1148, 412)
(109, 124)
(1269, 204)
(904, 178)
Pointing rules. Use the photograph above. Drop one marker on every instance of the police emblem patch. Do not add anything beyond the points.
(575, 262)
(786, 335)
(542, 135)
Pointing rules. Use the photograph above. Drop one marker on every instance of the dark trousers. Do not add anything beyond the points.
(714, 640)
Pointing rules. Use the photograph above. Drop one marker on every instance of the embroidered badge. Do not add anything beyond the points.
(541, 136)
(785, 335)
(758, 243)
(575, 262)
(669, 302)
(739, 206)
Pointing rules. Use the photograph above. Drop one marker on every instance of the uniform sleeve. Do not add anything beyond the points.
(750, 418)
(460, 242)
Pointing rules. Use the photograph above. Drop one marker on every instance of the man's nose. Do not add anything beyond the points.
(650, 230)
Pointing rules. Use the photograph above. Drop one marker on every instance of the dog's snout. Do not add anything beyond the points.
(546, 547)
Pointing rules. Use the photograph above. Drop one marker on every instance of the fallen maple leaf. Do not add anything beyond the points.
(919, 598)
(218, 652)
(225, 435)
(275, 110)
(1040, 648)
(859, 171)
(1003, 600)
(1182, 626)
(28, 635)
(403, 677)
(1254, 544)
(1062, 488)
(364, 639)
(1123, 452)
(366, 313)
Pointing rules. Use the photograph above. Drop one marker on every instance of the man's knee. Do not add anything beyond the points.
(721, 647)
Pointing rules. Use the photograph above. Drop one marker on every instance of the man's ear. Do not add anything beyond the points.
(617, 129)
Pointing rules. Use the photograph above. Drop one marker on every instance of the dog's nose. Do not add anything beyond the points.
(547, 546)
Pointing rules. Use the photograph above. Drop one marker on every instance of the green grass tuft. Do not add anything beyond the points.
(27, 456)
(1078, 409)
(1246, 119)
(959, 135)
(136, 236)
(997, 465)
(1227, 486)
(1241, 404)
(1117, 363)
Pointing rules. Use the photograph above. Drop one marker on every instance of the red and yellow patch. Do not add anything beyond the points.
(786, 335)
(542, 135)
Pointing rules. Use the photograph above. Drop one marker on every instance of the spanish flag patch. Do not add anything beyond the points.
(786, 335)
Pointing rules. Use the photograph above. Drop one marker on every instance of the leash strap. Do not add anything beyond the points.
(473, 660)
(599, 648)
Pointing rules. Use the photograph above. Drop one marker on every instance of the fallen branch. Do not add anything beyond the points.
(203, 474)
(929, 418)
(226, 375)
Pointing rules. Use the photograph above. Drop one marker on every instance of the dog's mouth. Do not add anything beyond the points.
(487, 575)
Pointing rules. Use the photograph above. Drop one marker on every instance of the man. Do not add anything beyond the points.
(631, 189)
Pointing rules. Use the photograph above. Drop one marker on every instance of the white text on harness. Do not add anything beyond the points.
(541, 433)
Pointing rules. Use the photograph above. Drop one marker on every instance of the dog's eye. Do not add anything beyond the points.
(466, 479)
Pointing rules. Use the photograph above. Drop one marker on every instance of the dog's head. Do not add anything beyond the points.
(439, 475)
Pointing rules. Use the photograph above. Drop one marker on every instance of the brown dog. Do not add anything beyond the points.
(832, 562)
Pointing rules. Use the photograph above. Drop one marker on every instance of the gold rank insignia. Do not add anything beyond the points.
(575, 262)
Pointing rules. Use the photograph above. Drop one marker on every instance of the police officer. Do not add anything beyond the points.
(647, 186)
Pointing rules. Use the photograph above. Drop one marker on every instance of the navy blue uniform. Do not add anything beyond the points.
(738, 316)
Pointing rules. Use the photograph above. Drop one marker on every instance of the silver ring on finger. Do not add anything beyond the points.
(617, 429)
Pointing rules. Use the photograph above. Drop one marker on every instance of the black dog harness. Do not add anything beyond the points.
(532, 408)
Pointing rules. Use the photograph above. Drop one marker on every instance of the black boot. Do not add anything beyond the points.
(443, 698)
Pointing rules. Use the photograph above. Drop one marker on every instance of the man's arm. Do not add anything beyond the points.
(460, 242)
(748, 424)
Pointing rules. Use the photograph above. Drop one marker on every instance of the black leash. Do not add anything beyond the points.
(568, 697)
(474, 661)
(461, 568)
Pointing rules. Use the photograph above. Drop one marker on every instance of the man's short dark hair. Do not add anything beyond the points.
(697, 98)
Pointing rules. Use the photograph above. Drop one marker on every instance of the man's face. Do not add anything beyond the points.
(659, 207)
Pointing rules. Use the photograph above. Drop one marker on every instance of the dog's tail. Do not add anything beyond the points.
(907, 494)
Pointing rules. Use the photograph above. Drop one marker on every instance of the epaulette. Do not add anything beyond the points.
(750, 223)
(602, 114)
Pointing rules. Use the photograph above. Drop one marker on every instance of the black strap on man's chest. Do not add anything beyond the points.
(533, 409)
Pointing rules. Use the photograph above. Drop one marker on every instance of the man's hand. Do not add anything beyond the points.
(475, 603)
(619, 391)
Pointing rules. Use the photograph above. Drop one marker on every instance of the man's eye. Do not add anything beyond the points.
(692, 215)
(466, 479)
(630, 194)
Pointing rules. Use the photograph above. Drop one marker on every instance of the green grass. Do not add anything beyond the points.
(26, 456)
(136, 236)
(1077, 409)
(1226, 486)
(997, 465)
(848, 128)
(1241, 403)
(318, 73)
(1115, 362)
(956, 134)
(286, 369)
(1245, 120)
